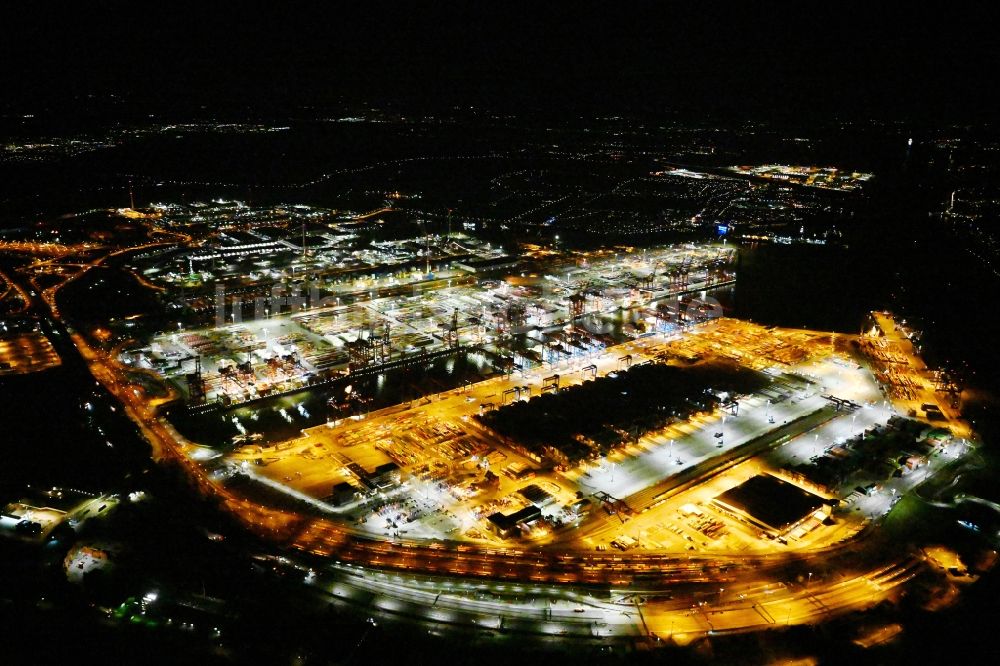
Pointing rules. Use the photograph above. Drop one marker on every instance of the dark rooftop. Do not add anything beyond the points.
(509, 521)
(770, 501)
(536, 495)
(481, 265)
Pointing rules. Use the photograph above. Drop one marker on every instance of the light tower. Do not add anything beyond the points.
(427, 251)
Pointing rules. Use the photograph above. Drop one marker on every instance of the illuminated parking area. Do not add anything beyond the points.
(22, 353)
(827, 178)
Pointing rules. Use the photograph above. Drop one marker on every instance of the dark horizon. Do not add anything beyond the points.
(729, 62)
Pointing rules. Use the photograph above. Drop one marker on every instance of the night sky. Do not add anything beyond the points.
(848, 58)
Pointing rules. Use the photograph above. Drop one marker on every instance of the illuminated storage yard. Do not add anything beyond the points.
(710, 449)
(617, 429)
(382, 318)
(416, 337)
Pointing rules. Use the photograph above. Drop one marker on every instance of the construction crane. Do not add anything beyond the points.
(362, 350)
(578, 300)
(646, 282)
(678, 277)
(195, 381)
(385, 345)
(451, 332)
(516, 314)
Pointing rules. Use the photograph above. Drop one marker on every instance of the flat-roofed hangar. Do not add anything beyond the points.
(774, 506)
